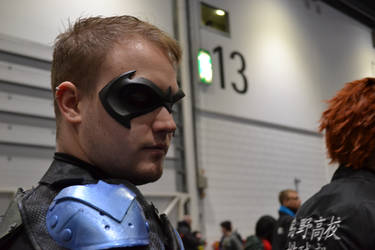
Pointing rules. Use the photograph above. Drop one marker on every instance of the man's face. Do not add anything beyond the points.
(293, 202)
(135, 154)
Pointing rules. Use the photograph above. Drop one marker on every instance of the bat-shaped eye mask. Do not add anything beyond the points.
(125, 98)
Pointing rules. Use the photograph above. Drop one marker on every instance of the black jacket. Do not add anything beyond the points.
(281, 231)
(190, 242)
(66, 170)
(340, 216)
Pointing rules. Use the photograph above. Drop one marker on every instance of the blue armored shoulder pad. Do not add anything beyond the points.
(97, 216)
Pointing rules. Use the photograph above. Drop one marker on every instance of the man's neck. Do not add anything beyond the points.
(67, 143)
(287, 210)
(227, 233)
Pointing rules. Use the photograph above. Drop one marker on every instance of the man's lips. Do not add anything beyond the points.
(158, 147)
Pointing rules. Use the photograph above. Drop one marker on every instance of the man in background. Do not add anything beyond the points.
(289, 205)
(230, 240)
(184, 229)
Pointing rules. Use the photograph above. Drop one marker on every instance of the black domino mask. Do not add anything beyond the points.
(124, 98)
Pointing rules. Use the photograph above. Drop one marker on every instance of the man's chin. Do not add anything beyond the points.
(148, 175)
(149, 178)
(143, 173)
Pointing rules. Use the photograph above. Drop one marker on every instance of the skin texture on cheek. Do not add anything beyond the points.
(119, 151)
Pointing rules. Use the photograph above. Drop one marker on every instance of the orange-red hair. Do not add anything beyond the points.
(349, 123)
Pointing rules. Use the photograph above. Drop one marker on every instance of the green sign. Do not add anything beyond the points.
(205, 66)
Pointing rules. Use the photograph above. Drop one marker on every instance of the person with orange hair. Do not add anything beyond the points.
(342, 214)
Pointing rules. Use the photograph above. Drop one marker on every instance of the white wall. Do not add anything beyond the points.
(251, 146)
(295, 58)
(42, 20)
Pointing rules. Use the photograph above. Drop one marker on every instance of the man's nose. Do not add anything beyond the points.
(164, 122)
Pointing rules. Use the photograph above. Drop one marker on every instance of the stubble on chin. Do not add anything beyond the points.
(147, 172)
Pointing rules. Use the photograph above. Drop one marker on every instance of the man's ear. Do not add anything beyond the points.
(67, 100)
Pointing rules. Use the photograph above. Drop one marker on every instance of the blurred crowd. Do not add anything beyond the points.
(270, 233)
(191, 240)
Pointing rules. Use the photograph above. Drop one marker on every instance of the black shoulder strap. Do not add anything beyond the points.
(173, 243)
(12, 219)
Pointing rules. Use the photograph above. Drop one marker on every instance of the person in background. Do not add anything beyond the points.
(216, 245)
(230, 240)
(263, 234)
(202, 243)
(289, 205)
(184, 229)
(342, 214)
(114, 84)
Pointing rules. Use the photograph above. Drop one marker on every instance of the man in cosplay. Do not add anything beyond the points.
(342, 214)
(115, 85)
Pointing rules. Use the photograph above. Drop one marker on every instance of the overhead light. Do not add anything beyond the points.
(220, 12)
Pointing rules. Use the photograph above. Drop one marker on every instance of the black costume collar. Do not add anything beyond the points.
(67, 170)
(345, 172)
